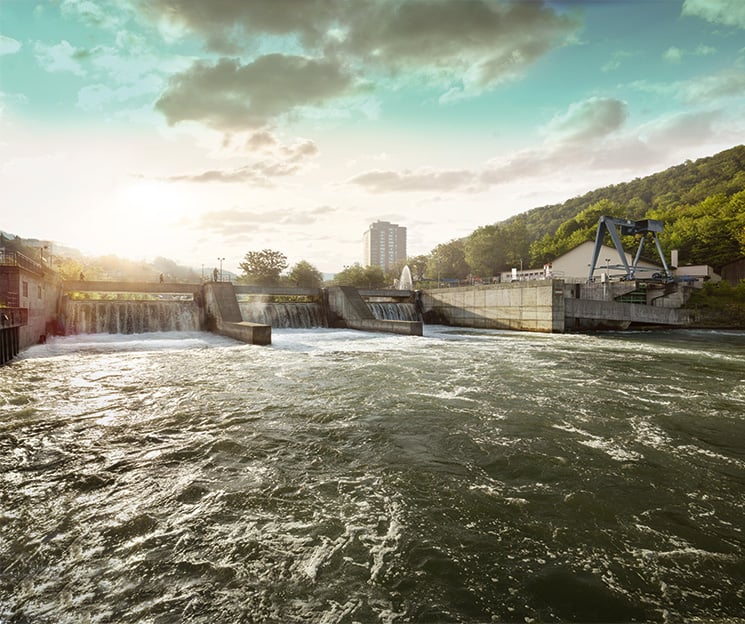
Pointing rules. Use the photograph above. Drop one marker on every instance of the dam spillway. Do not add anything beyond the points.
(284, 315)
(129, 317)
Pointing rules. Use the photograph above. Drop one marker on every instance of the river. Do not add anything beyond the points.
(339, 476)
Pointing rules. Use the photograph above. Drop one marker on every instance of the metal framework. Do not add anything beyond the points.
(627, 228)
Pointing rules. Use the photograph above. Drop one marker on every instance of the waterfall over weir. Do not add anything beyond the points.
(309, 315)
(389, 311)
(130, 317)
(297, 315)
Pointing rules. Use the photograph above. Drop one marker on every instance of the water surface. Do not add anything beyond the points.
(339, 476)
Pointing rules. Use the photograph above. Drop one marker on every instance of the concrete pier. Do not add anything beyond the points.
(349, 310)
(224, 316)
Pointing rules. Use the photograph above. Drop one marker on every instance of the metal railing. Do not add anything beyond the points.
(9, 300)
(16, 258)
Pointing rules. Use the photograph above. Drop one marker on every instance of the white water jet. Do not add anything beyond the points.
(406, 283)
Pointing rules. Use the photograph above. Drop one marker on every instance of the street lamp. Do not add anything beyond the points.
(221, 259)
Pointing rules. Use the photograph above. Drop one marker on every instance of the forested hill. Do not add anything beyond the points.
(702, 204)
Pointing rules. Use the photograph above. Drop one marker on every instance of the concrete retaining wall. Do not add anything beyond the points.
(525, 306)
(628, 312)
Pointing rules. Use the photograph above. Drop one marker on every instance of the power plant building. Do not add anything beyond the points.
(385, 245)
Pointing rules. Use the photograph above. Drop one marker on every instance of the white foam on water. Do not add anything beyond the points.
(611, 448)
(111, 343)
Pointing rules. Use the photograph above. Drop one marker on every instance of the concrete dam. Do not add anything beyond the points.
(248, 313)
(542, 305)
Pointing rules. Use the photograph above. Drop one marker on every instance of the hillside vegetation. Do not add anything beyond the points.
(701, 203)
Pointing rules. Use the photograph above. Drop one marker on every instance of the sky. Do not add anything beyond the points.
(199, 130)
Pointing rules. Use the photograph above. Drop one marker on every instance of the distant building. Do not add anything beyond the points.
(574, 266)
(384, 244)
(29, 292)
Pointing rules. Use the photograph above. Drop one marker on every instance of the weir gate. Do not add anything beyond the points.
(245, 313)
(248, 313)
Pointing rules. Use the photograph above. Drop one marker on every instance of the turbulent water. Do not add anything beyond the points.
(356, 477)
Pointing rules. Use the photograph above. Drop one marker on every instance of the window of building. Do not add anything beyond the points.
(38, 292)
(25, 289)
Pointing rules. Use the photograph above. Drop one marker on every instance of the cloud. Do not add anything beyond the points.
(92, 13)
(675, 55)
(616, 60)
(588, 120)
(232, 96)
(250, 174)
(468, 45)
(727, 83)
(299, 151)
(96, 96)
(726, 12)
(480, 43)
(230, 222)
(285, 160)
(226, 26)
(60, 57)
(378, 181)
(8, 45)
(604, 146)
(261, 140)
(706, 89)
(681, 130)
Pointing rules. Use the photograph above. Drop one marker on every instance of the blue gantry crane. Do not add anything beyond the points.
(613, 225)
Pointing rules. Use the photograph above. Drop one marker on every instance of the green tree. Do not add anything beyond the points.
(361, 277)
(448, 261)
(305, 275)
(485, 250)
(418, 267)
(263, 267)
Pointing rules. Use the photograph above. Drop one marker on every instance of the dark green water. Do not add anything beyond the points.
(348, 477)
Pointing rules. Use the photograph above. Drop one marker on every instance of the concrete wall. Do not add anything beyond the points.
(525, 306)
(625, 312)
